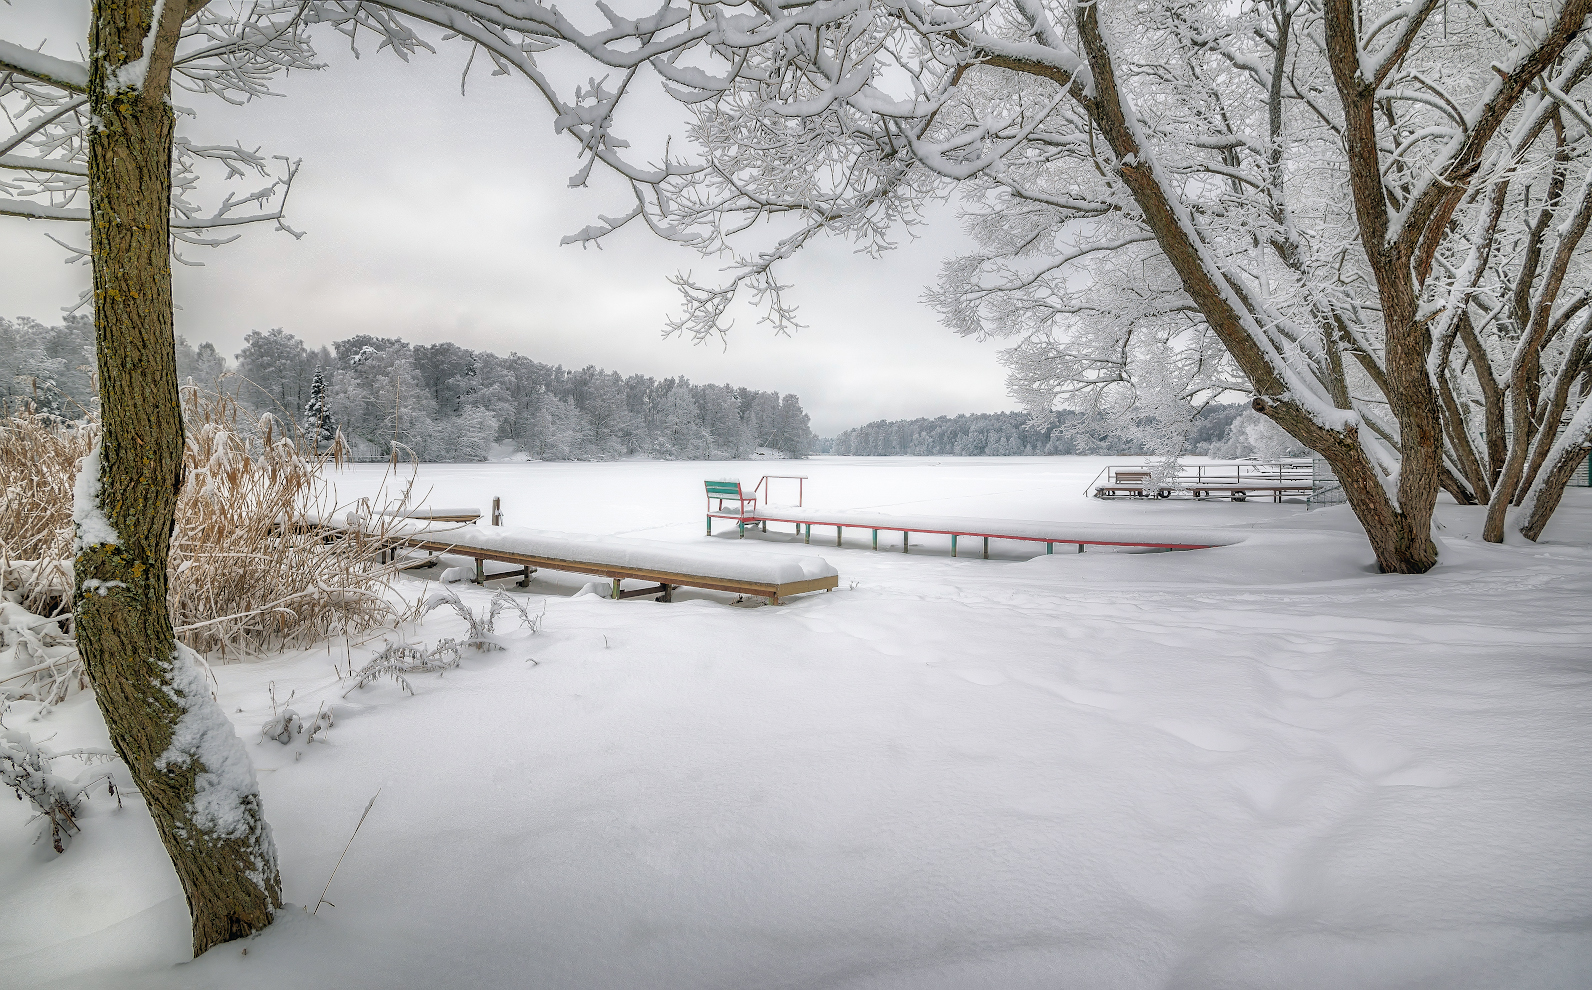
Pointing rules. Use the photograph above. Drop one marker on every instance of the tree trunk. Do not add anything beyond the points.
(1400, 532)
(182, 751)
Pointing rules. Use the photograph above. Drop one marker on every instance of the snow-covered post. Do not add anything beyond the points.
(179, 746)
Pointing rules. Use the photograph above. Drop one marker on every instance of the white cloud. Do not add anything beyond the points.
(435, 217)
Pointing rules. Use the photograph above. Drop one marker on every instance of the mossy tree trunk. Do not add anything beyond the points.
(180, 748)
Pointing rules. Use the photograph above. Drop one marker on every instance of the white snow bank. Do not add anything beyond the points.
(1128, 534)
(716, 561)
(430, 513)
(92, 526)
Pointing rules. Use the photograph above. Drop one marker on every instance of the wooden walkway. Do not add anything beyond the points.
(664, 580)
(742, 510)
(665, 567)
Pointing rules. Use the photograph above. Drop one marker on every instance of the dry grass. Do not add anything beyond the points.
(252, 572)
(38, 465)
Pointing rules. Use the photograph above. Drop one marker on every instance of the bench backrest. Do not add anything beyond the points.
(723, 489)
(1130, 477)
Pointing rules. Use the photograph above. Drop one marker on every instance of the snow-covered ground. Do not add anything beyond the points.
(1262, 765)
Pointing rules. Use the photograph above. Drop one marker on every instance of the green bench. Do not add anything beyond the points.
(720, 492)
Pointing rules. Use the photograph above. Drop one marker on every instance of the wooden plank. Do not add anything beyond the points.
(661, 589)
(759, 589)
(1059, 538)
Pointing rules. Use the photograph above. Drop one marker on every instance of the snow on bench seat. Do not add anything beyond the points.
(766, 575)
(469, 514)
(1082, 533)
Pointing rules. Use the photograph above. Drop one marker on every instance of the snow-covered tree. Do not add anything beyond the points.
(1281, 190)
(96, 142)
(319, 425)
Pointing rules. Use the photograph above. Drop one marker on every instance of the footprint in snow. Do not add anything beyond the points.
(1211, 737)
(988, 678)
(1419, 777)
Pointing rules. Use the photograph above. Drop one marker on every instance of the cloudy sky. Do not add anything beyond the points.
(437, 217)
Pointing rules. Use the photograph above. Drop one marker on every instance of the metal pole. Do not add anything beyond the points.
(808, 538)
(876, 539)
(837, 536)
(953, 544)
(904, 535)
(1050, 548)
(986, 548)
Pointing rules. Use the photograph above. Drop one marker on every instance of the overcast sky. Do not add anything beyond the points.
(437, 217)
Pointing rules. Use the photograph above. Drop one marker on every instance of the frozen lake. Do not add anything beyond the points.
(1257, 766)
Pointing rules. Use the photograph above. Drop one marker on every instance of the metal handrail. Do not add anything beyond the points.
(1222, 474)
(800, 480)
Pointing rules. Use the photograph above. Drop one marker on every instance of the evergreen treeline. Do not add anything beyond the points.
(1011, 434)
(444, 402)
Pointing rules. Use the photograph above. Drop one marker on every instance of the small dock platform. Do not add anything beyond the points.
(726, 501)
(663, 566)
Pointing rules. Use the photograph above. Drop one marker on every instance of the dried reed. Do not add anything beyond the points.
(252, 571)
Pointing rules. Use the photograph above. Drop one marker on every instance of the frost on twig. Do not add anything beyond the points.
(397, 659)
(482, 626)
(26, 768)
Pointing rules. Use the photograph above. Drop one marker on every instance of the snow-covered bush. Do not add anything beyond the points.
(1254, 435)
(397, 659)
(38, 656)
(27, 769)
(483, 626)
(285, 723)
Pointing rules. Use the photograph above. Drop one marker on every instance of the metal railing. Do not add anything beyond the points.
(1232, 479)
(800, 479)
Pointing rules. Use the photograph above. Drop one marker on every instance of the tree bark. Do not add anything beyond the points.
(180, 748)
(1544, 498)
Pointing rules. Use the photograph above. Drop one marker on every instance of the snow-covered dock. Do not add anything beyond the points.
(747, 513)
(669, 566)
(1048, 533)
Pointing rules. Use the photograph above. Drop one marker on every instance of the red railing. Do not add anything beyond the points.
(762, 483)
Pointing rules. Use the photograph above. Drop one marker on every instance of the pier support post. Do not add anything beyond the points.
(904, 536)
(953, 544)
(837, 535)
(480, 571)
(1050, 548)
(615, 595)
(525, 581)
(986, 548)
(808, 536)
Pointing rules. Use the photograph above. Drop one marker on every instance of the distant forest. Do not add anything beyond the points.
(1217, 430)
(444, 402)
